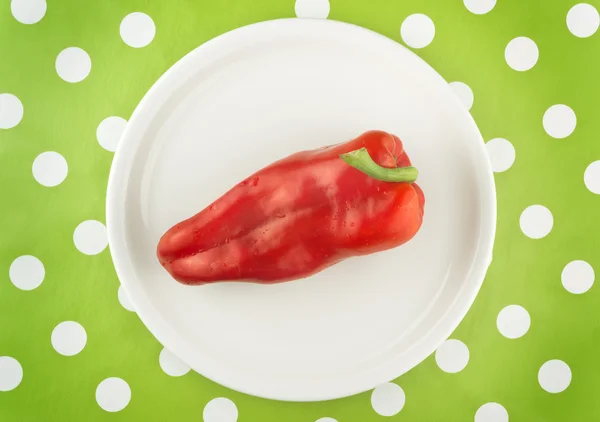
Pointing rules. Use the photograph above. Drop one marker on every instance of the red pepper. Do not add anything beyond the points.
(300, 215)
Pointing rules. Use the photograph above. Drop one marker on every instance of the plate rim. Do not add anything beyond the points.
(116, 195)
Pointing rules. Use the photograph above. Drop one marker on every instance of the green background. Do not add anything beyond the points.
(63, 117)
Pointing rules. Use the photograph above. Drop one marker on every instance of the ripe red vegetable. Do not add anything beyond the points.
(300, 215)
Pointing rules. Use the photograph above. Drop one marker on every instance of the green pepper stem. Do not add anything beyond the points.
(361, 160)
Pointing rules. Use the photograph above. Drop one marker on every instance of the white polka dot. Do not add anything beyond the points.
(583, 20)
(113, 394)
(491, 412)
(220, 409)
(124, 299)
(591, 177)
(318, 9)
(137, 29)
(109, 132)
(554, 376)
(536, 221)
(559, 121)
(11, 373)
(69, 338)
(73, 64)
(50, 169)
(464, 93)
(501, 153)
(577, 277)
(513, 321)
(90, 237)
(171, 364)
(28, 11)
(521, 53)
(11, 111)
(479, 7)
(417, 31)
(26, 272)
(388, 399)
(326, 420)
(452, 356)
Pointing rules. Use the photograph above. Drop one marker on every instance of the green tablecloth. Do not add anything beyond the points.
(73, 349)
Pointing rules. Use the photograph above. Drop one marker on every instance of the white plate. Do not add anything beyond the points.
(257, 94)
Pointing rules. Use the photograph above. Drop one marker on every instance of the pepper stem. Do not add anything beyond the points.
(361, 160)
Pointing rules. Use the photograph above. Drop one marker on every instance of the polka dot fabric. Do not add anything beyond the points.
(70, 335)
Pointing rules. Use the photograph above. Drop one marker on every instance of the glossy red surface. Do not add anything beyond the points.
(297, 217)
